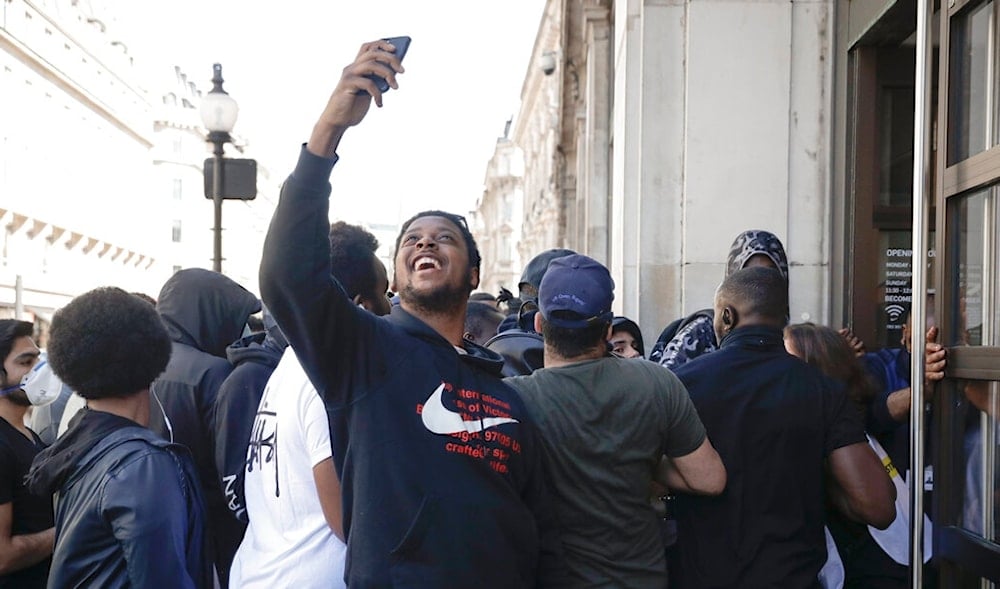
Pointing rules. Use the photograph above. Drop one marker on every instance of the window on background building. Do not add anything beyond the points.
(176, 231)
(178, 190)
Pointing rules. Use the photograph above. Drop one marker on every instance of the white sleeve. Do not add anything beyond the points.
(315, 424)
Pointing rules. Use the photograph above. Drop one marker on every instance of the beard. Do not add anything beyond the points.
(439, 301)
(17, 397)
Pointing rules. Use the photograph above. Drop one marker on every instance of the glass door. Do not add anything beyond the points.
(880, 218)
(967, 403)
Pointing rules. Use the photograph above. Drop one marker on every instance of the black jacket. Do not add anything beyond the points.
(204, 312)
(129, 512)
(441, 473)
(774, 420)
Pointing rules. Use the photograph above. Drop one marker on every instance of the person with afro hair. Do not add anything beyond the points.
(130, 512)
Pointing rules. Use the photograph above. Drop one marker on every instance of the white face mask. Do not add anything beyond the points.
(41, 385)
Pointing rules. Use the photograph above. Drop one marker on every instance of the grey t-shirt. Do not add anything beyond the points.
(604, 425)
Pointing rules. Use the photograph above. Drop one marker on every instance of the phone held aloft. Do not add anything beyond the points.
(401, 44)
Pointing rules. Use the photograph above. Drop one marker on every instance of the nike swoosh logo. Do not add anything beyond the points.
(438, 419)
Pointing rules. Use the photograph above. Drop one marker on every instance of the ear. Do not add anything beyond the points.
(473, 278)
(538, 322)
(730, 318)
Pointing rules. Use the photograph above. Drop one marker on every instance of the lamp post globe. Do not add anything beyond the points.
(218, 114)
(218, 109)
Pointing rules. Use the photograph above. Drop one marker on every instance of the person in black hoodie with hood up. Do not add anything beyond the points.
(130, 513)
(204, 312)
(254, 357)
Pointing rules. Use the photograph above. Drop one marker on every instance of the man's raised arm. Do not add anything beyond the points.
(295, 282)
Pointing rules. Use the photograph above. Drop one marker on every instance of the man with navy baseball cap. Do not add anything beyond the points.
(609, 427)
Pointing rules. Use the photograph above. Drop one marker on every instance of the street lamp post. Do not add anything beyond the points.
(218, 114)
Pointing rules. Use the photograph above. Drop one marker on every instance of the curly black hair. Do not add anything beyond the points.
(352, 249)
(108, 343)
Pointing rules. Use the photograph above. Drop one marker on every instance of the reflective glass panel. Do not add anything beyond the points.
(968, 246)
(896, 147)
(969, 70)
(981, 494)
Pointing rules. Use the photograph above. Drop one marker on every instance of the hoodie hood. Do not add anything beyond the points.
(257, 348)
(205, 309)
(53, 467)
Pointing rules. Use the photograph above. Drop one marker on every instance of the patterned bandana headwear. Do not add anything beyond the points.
(757, 242)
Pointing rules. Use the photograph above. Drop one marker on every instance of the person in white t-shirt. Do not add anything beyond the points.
(295, 537)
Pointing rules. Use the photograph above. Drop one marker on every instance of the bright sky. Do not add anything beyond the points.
(429, 145)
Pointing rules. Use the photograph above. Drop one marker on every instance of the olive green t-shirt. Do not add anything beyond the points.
(604, 425)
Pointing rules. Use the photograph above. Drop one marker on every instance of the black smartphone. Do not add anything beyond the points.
(401, 44)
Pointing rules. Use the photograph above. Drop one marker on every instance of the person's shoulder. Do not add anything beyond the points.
(136, 437)
(528, 389)
(522, 383)
(707, 362)
(125, 446)
(6, 431)
(186, 360)
(884, 356)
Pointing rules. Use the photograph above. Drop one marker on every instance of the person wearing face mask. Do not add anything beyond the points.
(27, 531)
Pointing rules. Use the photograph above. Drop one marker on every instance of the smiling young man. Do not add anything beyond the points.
(441, 476)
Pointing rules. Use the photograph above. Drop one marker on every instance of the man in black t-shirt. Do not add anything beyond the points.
(26, 521)
(781, 428)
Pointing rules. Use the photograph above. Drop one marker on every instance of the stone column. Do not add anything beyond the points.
(595, 163)
(649, 157)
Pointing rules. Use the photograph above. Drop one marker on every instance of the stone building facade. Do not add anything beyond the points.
(101, 165)
(667, 127)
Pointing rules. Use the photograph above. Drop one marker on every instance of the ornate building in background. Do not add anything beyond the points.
(654, 132)
(100, 165)
(496, 222)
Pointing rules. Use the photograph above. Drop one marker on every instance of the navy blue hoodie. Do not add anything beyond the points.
(254, 357)
(441, 474)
